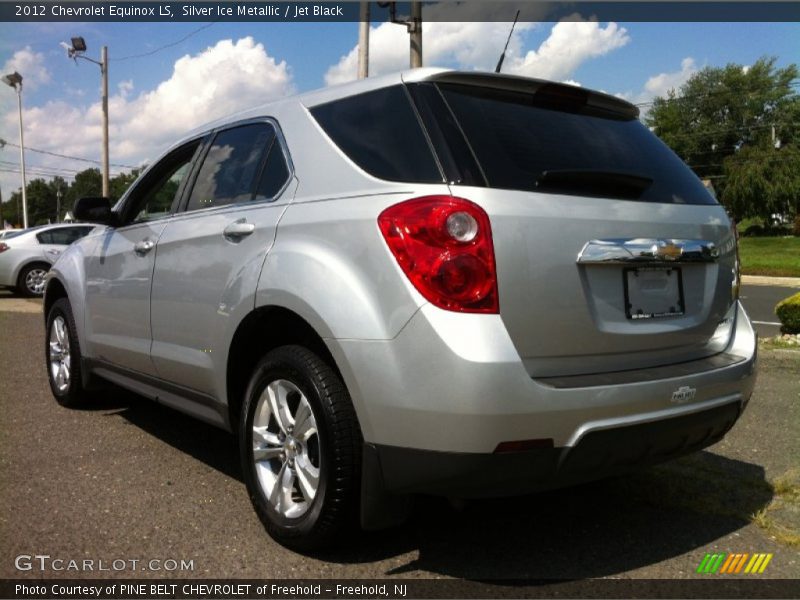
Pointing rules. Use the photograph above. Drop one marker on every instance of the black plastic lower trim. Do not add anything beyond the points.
(597, 454)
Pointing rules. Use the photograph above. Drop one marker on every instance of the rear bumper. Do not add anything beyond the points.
(598, 454)
(435, 402)
(454, 383)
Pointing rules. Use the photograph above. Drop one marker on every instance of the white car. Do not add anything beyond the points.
(26, 257)
(9, 233)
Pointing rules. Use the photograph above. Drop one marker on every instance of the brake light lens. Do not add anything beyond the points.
(3, 247)
(444, 246)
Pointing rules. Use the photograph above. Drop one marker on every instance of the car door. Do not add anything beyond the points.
(211, 254)
(53, 241)
(119, 269)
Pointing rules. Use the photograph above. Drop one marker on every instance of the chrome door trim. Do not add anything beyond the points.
(647, 250)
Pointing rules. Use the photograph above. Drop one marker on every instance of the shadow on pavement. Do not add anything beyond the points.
(599, 529)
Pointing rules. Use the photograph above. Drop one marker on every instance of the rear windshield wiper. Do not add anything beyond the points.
(590, 182)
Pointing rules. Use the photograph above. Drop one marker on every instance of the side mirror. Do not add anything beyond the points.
(94, 210)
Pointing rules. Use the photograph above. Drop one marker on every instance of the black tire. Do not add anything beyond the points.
(73, 394)
(338, 449)
(26, 287)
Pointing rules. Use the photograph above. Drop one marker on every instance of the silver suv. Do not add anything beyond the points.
(431, 282)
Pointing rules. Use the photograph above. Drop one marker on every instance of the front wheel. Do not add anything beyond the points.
(63, 356)
(300, 446)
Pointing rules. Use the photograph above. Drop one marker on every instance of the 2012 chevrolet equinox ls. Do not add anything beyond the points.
(430, 282)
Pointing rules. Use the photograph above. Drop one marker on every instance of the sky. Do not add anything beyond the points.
(169, 78)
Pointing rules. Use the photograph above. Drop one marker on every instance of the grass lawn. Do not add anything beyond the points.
(777, 256)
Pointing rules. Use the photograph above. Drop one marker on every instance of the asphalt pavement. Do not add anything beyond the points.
(128, 479)
(759, 301)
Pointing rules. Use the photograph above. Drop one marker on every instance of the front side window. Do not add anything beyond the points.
(232, 167)
(156, 196)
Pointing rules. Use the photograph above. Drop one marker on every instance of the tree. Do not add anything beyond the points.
(739, 127)
(88, 182)
(119, 184)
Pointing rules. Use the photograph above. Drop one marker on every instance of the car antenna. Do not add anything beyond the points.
(503, 55)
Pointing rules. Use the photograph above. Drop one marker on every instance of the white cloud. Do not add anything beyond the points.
(197, 93)
(30, 65)
(570, 44)
(125, 87)
(478, 45)
(661, 84)
(142, 124)
(469, 45)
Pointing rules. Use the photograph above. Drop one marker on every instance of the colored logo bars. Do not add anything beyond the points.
(723, 563)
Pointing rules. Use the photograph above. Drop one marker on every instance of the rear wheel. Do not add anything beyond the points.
(300, 447)
(31, 279)
(63, 356)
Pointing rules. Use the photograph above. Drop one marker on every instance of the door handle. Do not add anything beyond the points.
(238, 229)
(143, 247)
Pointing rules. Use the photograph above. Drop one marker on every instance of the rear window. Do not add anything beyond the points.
(380, 132)
(526, 141)
(63, 236)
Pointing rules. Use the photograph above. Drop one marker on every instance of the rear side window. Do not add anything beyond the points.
(232, 167)
(63, 236)
(525, 142)
(380, 132)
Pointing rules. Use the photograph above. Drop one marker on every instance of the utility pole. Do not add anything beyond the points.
(413, 26)
(104, 71)
(363, 42)
(415, 34)
(58, 205)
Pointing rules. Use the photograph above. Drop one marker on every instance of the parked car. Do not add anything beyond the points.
(7, 233)
(434, 282)
(25, 257)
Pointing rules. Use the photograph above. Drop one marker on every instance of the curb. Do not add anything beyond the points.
(790, 282)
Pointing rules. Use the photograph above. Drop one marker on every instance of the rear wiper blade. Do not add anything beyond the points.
(593, 182)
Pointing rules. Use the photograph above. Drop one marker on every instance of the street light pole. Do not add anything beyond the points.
(15, 80)
(75, 51)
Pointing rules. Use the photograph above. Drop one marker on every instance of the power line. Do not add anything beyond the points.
(793, 83)
(56, 154)
(721, 132)
(165, 46)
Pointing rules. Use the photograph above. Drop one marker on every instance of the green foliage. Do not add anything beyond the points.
(738, 127)
(761, 181)
(788, 311)
(43, 196)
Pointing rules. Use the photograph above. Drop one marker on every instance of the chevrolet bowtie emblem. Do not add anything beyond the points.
(667, 251)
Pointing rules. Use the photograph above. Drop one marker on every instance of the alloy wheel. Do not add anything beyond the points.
(59, 353)
(286, 448)
(34, 281)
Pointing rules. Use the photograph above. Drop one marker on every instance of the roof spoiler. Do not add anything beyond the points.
(600, 102)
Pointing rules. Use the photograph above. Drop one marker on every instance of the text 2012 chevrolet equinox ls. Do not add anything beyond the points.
(452, 283)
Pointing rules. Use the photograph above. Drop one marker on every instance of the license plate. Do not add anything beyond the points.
(653, 292)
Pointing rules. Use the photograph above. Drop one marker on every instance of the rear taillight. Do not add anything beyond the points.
(444, 246)
(3, 247)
